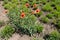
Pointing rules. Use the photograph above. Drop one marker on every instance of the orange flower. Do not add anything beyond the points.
(37, 11)
(22, 15)
(33, 12)
(35, 5)
(27, 4)
(5, 11)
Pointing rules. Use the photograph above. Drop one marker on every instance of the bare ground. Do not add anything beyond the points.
(19, 37)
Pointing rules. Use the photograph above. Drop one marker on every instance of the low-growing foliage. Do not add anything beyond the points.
(39, 28)
(58, 24)
(1, 23)
(50, 16)
(47, 7)
(56, 1)
(55, 35)
(45, 19)
(56, 14)
(7, 31)
(43, 1)
(58, 7)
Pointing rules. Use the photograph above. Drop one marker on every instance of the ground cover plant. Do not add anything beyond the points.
(1, 23)
(29, 16)
(53, 36)
(7, 31)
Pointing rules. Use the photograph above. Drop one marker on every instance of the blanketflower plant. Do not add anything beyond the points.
(23, 20)
(27, 25)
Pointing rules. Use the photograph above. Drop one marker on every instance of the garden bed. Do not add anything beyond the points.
(35, 18)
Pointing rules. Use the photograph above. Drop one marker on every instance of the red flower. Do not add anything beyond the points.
(27, 4)
(22, 15)
(35, 5)
(37, 11)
